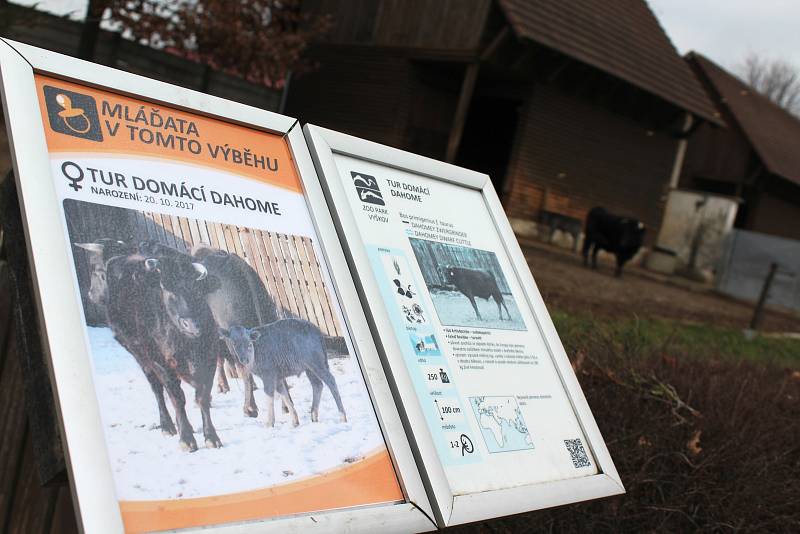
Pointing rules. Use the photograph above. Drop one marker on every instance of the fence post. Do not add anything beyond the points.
(762, 299)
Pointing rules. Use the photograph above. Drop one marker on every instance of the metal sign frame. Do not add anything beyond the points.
(453, 509)
(61, 319)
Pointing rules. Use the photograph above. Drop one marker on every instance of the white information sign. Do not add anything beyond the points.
(489, 394)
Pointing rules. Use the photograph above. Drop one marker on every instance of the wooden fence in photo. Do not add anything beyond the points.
(286, 264)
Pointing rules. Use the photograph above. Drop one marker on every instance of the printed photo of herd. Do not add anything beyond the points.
(220, 361)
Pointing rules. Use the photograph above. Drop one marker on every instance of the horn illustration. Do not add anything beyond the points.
(91, 247)
(202, 272)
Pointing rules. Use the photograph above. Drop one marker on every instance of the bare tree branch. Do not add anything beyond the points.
(774, 78)
(260, 40)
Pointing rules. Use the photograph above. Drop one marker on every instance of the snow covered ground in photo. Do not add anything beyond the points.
(150, 466)
(454, 309)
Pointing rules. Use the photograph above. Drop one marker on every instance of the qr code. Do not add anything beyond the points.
(577, 452)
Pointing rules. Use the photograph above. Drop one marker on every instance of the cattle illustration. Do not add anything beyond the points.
(157, 311)
(622, 236)
(476, 283)
(281, 349)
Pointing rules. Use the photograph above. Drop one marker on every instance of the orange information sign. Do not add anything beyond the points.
(207, 300)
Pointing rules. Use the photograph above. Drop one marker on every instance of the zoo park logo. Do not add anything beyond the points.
(72, 113)
(367, 188)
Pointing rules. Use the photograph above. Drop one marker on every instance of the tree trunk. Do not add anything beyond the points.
(91, 29)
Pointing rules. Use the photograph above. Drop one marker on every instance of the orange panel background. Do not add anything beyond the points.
(212, 131)
(370, 481)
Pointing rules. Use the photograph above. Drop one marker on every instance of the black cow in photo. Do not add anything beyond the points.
(281, 349)
(157, 311)
(622, 236)
(476, 283)
(103, 249)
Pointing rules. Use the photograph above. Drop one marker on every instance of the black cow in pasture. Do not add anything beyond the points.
(476, 283)
(281, 349)
(157, 310)
(621, 236)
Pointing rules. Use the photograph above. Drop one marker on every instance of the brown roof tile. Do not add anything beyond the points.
(773, 132)
(620, 37)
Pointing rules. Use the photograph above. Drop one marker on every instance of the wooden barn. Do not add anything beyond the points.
(567, 104)
(755, 159)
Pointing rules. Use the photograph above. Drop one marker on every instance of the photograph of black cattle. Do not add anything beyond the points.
(167, 300)
(232, 292)
(467, 286)
(243, 297)
(621, 236)
(240, 298)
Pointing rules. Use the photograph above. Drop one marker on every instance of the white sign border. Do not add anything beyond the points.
(59, 310)
(453, 509)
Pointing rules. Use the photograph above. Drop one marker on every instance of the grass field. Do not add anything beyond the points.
(673, 339)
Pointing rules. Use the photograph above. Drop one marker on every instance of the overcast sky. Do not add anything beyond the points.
(727, 30)
(724, 30)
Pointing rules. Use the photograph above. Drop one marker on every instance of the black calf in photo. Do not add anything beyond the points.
(240, 300)
(281, 349)
(476, 283)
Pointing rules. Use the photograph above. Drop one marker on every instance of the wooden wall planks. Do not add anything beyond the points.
(401, 23)
(583, 156)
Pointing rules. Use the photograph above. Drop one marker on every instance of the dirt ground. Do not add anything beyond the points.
(567, 285)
